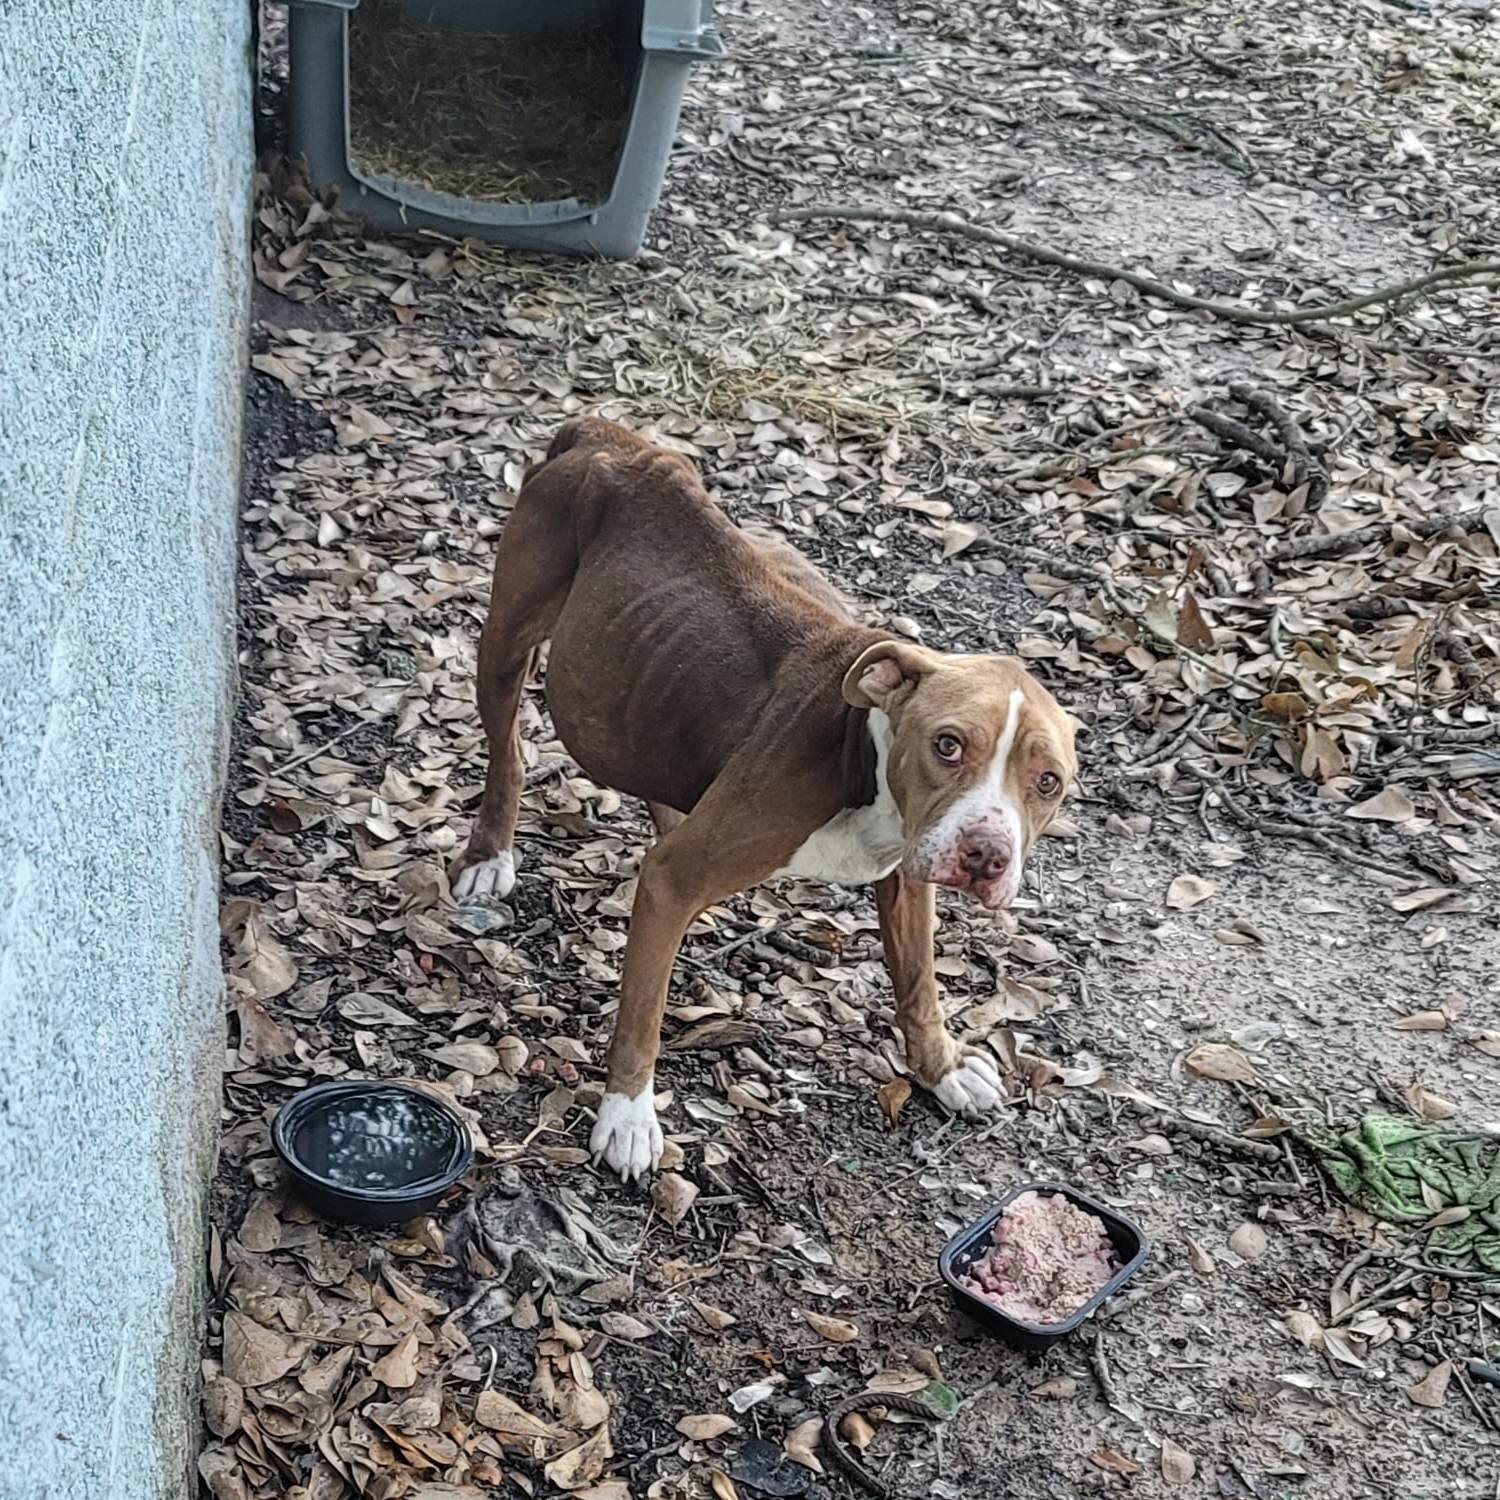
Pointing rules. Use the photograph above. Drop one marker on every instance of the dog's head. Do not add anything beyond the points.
(979, 758)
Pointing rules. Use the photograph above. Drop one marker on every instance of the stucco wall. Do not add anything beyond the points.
(125, 146)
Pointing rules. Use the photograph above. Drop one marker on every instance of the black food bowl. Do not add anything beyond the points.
(968, 1245)
(371, 1153)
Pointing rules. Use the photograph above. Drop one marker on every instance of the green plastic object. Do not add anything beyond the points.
(673, 35)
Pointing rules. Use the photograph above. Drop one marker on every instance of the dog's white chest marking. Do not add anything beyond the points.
(859, 844)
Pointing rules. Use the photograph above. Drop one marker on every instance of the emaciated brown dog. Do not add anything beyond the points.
(723, 680)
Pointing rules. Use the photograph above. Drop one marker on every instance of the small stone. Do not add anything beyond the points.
(1248, 1241)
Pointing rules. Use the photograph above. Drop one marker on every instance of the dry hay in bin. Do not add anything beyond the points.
(496, 117)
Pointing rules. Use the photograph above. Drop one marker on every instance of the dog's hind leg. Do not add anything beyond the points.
(534, 569)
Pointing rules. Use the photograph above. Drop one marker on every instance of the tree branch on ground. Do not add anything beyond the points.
(1232, 312)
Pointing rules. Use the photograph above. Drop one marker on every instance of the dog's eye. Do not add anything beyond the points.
(948, 748)
(1049, 783)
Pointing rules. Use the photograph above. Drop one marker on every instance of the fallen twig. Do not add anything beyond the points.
(1441, 735)
(302, 758)
(1313, 836)
(1395, 1284)
(1204, 138)
(1217, 65)
(1155, 755)
(1461, 1376)
(1233, 312)
(1240, 436)
(1120, 1405)
(1475, 677)
(1341, 542)
(1210, 1135)
(1118, 1305)
(1305, 468)
(1346, 1272)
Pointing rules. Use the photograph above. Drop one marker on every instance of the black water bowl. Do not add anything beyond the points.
(371, 1153)
(968, 1245)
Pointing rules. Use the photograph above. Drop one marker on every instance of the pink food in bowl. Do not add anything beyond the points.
(1049, 1257)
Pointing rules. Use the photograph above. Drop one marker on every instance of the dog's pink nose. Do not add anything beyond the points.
(982, 858)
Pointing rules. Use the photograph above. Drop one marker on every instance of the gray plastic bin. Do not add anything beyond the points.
(660, 39)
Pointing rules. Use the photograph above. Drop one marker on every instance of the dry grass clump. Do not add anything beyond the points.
(720, 391)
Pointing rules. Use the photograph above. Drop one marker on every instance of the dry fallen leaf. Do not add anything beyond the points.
(398, 1369)
(1031, 949)
(1199, 1258)
(1177, 1464)
(1421, 898)
(835, 1330)
(706, 1425)
(1429, 1106)
(1013, 1002)
(1188, 891)
(1113, 1463)
(1305, 1329)
(722, 1486)
(262, 1039)
(673, 1196)
(260, 1229)
(580, 1408)
(255, 1355)
(326, 1375)
(801, 1444)
(500, 1414)
(1193, 631)
(1221, 1062)
(1341, 1346)
(1289, 706)
(856, 1431)
(1321, 759)
(223, 1406)
(477, 1058)
(1422, 1020)
(1389, 806)
(959, 536)
(620, 1325)
(1061, 1388)
(892, 1099)
(1432, 1388)
(715, 1317)
(581, 1465)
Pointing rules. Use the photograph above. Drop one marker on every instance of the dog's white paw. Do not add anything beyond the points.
(489, 880)
(626, 1135)
(972, 1089)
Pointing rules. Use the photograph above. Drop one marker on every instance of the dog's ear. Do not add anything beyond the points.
(883, 670)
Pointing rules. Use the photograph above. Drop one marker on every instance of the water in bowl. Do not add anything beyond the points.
(389, 1141)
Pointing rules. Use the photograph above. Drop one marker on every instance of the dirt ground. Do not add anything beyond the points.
(1283, 841)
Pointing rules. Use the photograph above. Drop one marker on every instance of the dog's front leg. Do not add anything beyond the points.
(964, 1080)
(715, 852)
(626, 1134)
